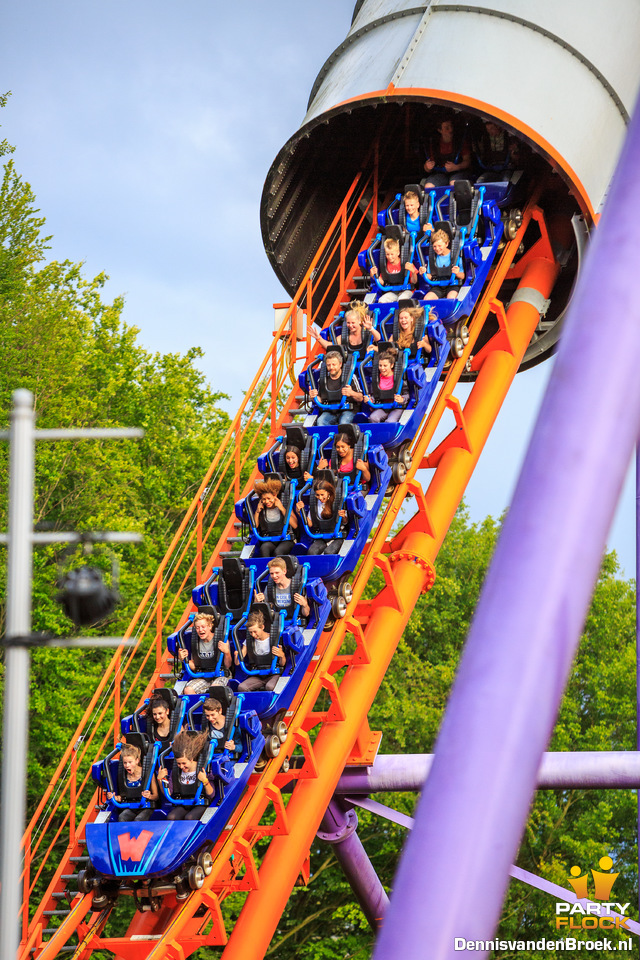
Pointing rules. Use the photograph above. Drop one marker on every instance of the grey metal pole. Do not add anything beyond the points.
(16, 686)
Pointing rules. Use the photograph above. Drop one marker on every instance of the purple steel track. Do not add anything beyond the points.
(589, 770)
(455, 867)
(638, 633)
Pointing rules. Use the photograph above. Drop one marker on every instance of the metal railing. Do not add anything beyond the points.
(193, 551)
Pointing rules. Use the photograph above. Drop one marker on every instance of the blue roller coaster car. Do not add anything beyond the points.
(182, 639)
(362, 507)
(422, 382)
(274, 460)
(298, 643)
(396, 213)
(296, 634)
(435, 202)
(329, 392)
(473, 219)
(339, 327)
(229, 588)
(422, 371)
(375, 256)
(297, 572)
(141, 722)
(158, 846)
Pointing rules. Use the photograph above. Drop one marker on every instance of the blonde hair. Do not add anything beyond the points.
(359, 308)
(277, 562)
(354, 313)
(205, 616)
(405, 337)
(391, 243)
(131, 750)
(440, 235)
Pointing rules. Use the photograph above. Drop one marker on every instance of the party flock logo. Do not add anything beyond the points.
(604, 914)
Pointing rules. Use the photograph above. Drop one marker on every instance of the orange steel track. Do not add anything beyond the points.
(327, 739)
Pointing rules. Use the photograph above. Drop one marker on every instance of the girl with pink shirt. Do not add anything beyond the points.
(345, 453)
(385, 384)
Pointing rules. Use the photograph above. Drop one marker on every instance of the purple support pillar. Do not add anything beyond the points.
(455, 868)
(338, 827)
(638, 634)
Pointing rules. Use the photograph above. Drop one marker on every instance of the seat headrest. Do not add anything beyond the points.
(169, 696)
(393, 231)
(336, 348)
(384, 345)
(320, 475)
(221, 692)
(139, 740)
(296, 436)
(291, 564)
(232, 569)
(463, 192)
(351, 430)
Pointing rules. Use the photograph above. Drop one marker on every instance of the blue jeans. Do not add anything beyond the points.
(330, 418)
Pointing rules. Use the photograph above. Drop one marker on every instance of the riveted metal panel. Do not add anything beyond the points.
(605, 35)
(372, 10)
(376, 54)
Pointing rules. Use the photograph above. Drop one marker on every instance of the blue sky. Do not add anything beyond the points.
(146, 131)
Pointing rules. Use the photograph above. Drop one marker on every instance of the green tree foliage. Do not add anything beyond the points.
(568, 827)
(86, 367)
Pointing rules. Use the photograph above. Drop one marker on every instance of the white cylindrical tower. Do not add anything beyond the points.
(560, 75)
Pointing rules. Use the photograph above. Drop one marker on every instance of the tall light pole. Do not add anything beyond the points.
(16, 678)
(18, 641)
